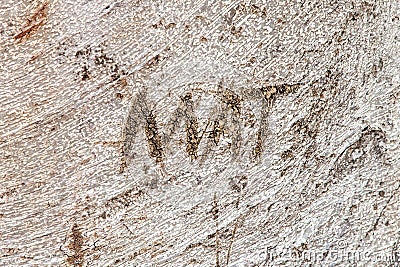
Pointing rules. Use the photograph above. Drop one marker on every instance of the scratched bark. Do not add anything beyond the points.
(199, 133)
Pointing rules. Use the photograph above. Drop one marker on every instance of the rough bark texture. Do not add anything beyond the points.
(199, 133)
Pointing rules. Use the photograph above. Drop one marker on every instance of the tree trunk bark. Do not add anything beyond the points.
(199, 133)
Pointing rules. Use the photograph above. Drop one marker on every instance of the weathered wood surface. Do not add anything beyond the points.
(199, 133)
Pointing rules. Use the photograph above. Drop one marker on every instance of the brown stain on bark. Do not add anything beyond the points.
(192, 126)
(76, 246)
(192, 138)
(232, 100)
(34, 22)
(34, 57)
(271, 92)
(216, 132)
(154, 138)
(125, 199)
(258, 149)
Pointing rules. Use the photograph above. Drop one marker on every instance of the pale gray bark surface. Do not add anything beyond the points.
(149, 133)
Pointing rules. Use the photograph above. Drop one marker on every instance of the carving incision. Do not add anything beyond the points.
(224, 121)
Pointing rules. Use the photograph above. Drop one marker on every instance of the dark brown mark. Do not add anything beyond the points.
(123, 82)
(237, 31)
(100, 59)
(271, 92)
(239, 183)
(76, 246)
(124, 199)
(34, 57)
(29, 31)
(233, 103)
(216, 132)
(8, 193)
(123, 164)
(287, 154)
(84, 53)
(192, 134)
(154, 61)
(35, 21)
(192, 139)
(170, 26)
(232, 100)
(160, 24)
(85, 73)
(140, 115)
(154, 138)
(251, 9)
(252, 60)
(258, 148)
